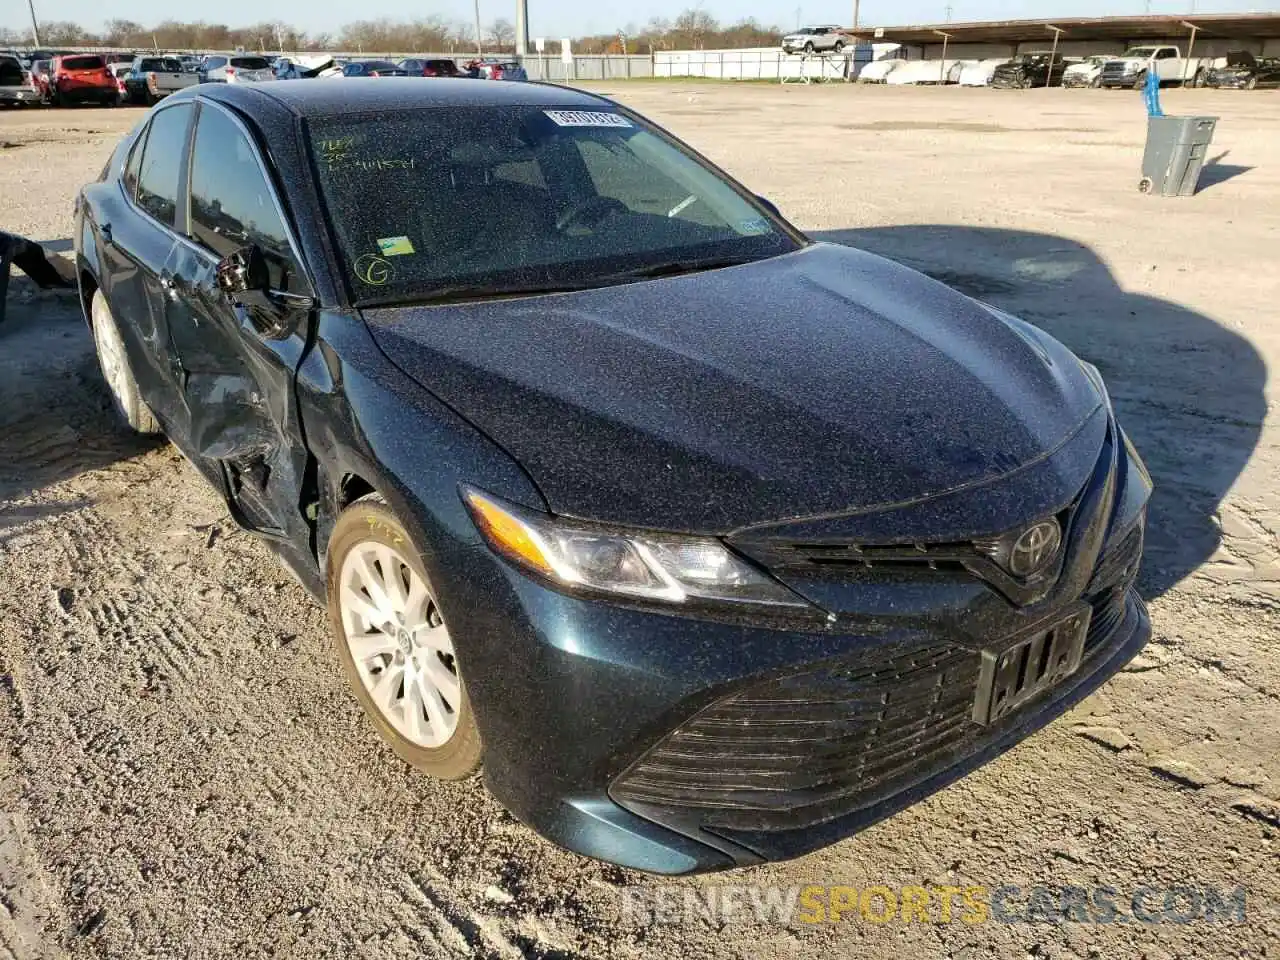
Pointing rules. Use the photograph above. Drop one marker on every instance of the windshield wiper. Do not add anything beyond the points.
(471, 292)
(674, 268)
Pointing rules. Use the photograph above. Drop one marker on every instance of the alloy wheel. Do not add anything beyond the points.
(399, 644)
(111, 357)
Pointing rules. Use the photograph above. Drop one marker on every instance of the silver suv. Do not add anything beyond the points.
(814, 40)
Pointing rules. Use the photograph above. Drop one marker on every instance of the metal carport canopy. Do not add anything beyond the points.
(1242, 25)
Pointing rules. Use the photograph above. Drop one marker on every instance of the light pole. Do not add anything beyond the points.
(479, 42)
(35, 27)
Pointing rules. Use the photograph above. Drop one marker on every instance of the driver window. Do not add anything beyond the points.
(232, 204)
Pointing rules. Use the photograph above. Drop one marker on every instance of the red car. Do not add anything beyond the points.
(429, 68)
(82, 77)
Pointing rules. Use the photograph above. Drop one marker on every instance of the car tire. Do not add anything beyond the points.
(114, 364)
(838, 48)
(403, 670)
(1251, 83)
(808, 47)
(1096, 83)
(1140, 81)
(1199, 79)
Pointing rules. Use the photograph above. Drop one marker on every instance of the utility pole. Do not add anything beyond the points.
(856, 5)
(479, 41)
(949, 10)
(35, 27)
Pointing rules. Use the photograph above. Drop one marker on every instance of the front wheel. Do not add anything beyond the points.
(1096, 83)
(115, 369)
(1141, 81)
(395, 645)
(808, 47)
(1200, 79)
(1251, 83)
(839, 47)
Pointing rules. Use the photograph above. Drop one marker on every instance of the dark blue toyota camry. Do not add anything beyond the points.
(713, 545)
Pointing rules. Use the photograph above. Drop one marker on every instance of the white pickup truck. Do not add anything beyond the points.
(1131, 69)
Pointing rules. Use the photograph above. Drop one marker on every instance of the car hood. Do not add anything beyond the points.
(824, 381)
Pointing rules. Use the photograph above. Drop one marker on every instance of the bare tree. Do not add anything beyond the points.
(502, 34)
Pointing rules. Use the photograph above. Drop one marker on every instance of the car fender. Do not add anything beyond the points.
(370, 427)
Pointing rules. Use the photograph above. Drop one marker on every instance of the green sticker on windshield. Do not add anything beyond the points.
(395, 246)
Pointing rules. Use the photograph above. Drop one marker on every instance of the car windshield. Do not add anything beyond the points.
(1140, 52)
(379, 65)
(465, 201)
(250, 63)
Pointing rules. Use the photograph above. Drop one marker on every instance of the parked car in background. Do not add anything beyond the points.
(236, 69)
(121, 72)
(828, 39)
(415, 67)
(925, 72)
(978, 73)
(153, 78)
(18, 86)
(372, 68)
(710, 543)
(190, 62)
(1244, 71)
(42, 74)
(1168, 62)
(878, 71)
(502, 70)
(82, 78)
(1085, 73)
(1038, 68)
(306, 67)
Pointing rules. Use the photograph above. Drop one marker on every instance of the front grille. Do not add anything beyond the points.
(1113, 70)
(804, 749)
(800, 750)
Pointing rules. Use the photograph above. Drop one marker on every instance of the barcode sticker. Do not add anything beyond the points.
(587, 118)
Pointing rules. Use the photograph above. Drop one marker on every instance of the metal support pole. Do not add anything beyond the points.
(942, 67)
(1053, 57)
(479, 41)
(1186, 65)
(35, 26)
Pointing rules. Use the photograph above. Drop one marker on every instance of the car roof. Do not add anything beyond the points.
(332, 97)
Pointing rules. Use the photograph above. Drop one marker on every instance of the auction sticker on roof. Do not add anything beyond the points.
(587, 118)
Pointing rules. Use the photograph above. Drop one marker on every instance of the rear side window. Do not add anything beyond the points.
(250, 63)
(232, 203)
(159, 175)
(10, 70)
(151, 63)
(130, 177)
(213, 63)
(84, 63)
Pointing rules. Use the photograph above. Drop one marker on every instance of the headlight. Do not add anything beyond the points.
(1131, 67)
(650, 566)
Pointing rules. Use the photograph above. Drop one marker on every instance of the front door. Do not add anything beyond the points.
(238, 368)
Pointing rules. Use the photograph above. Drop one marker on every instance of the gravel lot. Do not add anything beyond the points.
(182, 771)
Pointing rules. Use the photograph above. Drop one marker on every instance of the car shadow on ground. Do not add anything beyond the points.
(56, 417)
(1188, 391)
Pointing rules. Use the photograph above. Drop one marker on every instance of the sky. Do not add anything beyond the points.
(557, 18)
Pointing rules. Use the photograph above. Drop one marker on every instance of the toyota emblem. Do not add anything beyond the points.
(1035, 548)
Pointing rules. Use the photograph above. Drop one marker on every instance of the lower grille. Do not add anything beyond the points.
(807, 748)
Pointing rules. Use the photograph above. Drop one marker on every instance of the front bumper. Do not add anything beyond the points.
(19, 95)
(583, 704)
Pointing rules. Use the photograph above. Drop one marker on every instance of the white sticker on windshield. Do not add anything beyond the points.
(586, 118)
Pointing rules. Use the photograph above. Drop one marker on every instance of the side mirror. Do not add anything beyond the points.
(243, 279)
(243, 272)
(769, 205)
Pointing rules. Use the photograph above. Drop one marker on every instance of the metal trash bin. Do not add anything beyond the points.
(1175, 154)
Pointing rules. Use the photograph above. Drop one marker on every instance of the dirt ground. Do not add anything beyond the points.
(183, 773)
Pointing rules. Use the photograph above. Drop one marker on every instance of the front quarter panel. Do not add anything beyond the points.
(364, 418)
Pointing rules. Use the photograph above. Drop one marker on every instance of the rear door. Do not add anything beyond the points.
(238, 372)
(137, 238)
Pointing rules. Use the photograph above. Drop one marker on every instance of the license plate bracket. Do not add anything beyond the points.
(1029, 663)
